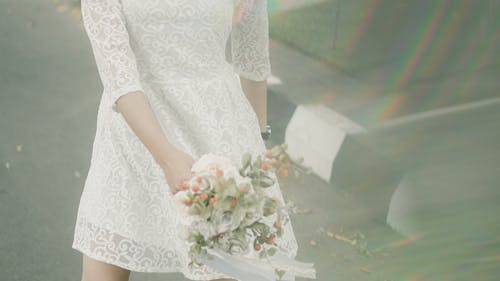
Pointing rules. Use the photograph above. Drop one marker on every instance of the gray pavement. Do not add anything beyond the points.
(48, 104)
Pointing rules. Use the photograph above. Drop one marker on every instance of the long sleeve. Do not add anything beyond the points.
(106, 29)
(250, 40)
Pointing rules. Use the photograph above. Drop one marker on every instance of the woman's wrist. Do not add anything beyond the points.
(166, 157)
(263, 126)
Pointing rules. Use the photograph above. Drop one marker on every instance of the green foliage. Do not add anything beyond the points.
(233, 214)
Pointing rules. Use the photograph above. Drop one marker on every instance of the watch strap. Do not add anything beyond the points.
(267, 134)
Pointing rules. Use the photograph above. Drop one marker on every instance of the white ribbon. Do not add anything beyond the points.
(245, 268)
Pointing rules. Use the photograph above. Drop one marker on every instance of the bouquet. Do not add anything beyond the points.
(232, 223)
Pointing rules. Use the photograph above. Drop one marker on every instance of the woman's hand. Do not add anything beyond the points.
(139, 115)
(177, 169)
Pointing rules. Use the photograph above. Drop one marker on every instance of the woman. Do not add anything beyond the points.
(169, 97)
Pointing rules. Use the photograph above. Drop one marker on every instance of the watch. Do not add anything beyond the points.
(267, 134)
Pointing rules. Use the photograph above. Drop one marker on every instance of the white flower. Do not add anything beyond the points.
(205, 228)
(230, 243)
(210, 162)
(185, 220)
(227, 220)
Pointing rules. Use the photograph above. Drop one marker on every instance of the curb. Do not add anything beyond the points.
(323, 136)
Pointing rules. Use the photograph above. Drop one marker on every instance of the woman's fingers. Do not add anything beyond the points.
(179, 174)
(180, 182)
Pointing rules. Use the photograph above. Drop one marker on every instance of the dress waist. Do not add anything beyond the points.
(174, 78)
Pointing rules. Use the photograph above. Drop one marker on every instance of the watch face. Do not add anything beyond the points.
(267, 133)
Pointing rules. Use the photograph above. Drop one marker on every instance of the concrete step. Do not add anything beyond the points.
(328, 144)
(324, 123)
(316, 104)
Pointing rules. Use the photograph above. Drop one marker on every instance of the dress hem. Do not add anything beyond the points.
(144, 270)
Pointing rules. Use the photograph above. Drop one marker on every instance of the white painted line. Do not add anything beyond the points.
(316, 134)
(403, 208)
(274, 80)
(295, 4)
(434, 113)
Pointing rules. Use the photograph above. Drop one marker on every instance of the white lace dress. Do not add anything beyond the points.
(173, 51)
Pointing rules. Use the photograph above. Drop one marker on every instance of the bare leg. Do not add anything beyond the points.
(94, 270)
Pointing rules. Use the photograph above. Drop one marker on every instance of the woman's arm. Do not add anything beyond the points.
(137, 112)
(106, 28)
(250, 53)
(256, 92)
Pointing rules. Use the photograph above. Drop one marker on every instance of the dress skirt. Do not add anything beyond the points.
(175, 53)
(126, 214)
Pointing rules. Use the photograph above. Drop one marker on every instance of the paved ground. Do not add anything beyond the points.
(48, 105)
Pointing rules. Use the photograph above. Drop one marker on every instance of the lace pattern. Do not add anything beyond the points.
(105, 25)
(173, 51)
(250, 40)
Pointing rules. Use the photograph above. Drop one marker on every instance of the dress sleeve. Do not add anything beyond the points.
(105, 25)
(250, 40)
